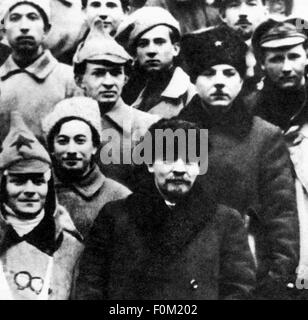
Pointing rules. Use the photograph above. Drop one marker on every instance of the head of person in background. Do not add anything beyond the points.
(152, 36)
(174, 166)
(73, 131)
(101, 67)
(26, 26)
(243, 16)
(217, 62)
(280, 47)
(111, 12)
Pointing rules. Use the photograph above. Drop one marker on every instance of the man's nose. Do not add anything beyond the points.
(103, 17)
(152, 49)
(24, 25)
(287, 66)
(71, 148)
(29, 189)
(219, 85)
(108, 81)
(179, 167)
(243, 10)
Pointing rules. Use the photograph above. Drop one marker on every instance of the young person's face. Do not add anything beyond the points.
(155, 50)
(26, 193)
(174, 178)
(110, 11)
(103, 83)
(285, 67)
(73, 147)
(219, 85)
(25, 29)
(244, 16)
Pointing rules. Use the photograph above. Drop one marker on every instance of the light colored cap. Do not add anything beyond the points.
(99, 46)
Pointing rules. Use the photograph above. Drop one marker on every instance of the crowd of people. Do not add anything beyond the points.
(157, 161)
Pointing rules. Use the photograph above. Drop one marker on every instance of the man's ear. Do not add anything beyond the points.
(79, 82)
(150, 168)
(47, 28)
(177, 48)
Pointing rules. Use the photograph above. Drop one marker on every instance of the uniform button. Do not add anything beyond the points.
(194, 284)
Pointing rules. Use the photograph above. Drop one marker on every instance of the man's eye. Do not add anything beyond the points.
(209, 73)
(95, 4)
(142, 44)
(276, 60)
(160, 41)
(99, 74)
(39, 182)
(233, 4)
(62, 142)
(229, 73)
(33, 16)
(252, 3)
(116, 73)
(111, 5)
(294, 56)
(80, 140)
(14, 17)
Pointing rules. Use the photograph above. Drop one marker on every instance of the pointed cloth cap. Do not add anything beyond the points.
(42, 5)
(21, 151)
(99, 45)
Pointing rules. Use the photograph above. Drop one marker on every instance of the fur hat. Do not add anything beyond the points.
(42, 5)
(213, 46)
(143, 20)
(78, 107)
(21, 151)
(99, 45)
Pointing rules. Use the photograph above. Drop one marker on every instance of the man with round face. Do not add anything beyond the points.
(249, 160)
(169, 223)
(101, 71)
(32, 80)
(281, 50)
(152, 36)
(32, 234)
(112, 12)
(73, 133)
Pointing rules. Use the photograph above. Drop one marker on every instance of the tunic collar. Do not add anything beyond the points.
(39, 70)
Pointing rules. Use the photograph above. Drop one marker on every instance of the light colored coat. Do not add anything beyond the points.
(33, 91)
(175, 97)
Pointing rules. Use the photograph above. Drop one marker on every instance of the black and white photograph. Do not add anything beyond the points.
(153, 151)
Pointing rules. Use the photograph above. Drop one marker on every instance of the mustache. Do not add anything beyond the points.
(243, 21)
(23, 38)
(71, 158)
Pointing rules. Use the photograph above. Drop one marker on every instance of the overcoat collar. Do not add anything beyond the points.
(168, 231)
(39, 70)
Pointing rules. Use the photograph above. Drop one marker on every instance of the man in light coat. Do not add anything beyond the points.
(32, 81)
(152, 36)
(101, 69)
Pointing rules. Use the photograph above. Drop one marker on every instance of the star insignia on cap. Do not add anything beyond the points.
(22, 141)
(218, 44)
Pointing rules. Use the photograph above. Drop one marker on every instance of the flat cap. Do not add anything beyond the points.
(99, 45)
(275, 33)
(213, 46)
(143, 20)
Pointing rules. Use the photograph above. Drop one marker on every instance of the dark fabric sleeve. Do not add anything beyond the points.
(278, 213)
(92, 281)
(237, 268)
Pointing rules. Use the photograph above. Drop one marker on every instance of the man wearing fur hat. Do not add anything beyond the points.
(32, 81)
(152, 35)
(73, 133)
(39, 244)
(101, 69)
(249, 156)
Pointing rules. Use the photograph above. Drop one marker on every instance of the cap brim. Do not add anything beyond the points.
(284, 42)
(110, 58)
(29, 166)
